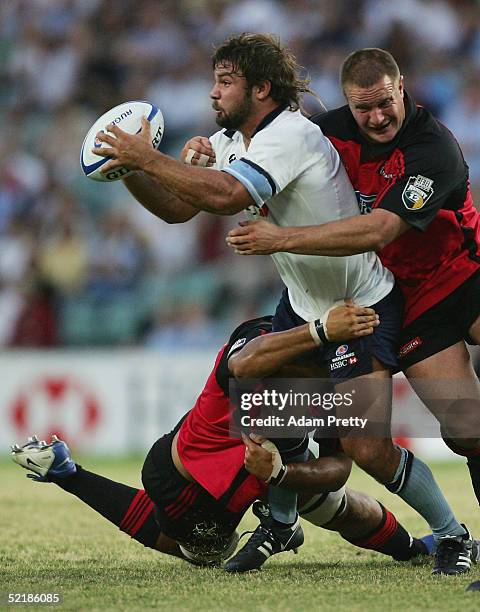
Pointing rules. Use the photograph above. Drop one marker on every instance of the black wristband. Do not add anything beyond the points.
(320, 331)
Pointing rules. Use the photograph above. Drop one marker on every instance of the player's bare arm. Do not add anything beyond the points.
(313, 476)
(201, 188)
(265, 355)
(158, 200)
(350, 236)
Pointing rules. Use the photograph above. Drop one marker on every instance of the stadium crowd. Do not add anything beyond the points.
(81, 264)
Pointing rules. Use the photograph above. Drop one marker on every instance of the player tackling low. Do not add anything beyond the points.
(196, 486)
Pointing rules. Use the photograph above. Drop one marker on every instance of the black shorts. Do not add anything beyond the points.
(184, 510)
(353, 358)
(441, 326)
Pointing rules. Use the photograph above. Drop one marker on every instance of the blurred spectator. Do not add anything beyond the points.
(36, 325)
(16, 251)
(462, 117)
(63, 259)
(11, 305)
(118, 258)
(185, 327)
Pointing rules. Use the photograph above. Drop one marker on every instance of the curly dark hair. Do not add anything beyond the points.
(260, 58)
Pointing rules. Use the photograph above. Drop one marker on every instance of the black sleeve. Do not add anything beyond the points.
(435, 176)
(223, 373)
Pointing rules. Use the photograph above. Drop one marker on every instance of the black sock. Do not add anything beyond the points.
(389, 538)
(473, 463)
(129, 508)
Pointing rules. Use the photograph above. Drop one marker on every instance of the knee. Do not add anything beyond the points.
(376, 457)
(461, 446)
(460, 425)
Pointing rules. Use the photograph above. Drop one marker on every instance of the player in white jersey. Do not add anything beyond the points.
(294, 174)
(285, 168)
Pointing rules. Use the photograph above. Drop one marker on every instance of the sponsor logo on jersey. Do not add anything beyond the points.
(365, 202)
(340, 357)
(417, 192)
(388, 175)
(232, 158)
(410, 346)
(340, 362)
(341, 350)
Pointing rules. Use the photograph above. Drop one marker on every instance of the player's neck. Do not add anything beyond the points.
(258, 114)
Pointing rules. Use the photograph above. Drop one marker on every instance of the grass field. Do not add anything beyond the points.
(51, 542)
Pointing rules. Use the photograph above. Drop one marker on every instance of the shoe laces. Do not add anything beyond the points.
(448, 551)
(259, 535)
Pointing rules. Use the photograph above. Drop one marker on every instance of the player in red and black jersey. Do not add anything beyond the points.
(410, 176)
(196, 485)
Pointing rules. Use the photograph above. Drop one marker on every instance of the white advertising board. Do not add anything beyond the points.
(118, 402)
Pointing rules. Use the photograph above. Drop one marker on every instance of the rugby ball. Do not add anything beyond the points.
(128, 117)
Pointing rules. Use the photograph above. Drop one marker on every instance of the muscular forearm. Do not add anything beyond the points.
(158, 200)
(265, 355)
(201, 188)
(318, 475)
(338, 238)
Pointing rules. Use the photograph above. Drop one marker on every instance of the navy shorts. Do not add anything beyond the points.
(353, 358)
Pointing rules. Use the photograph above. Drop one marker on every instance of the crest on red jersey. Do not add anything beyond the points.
(417, 192)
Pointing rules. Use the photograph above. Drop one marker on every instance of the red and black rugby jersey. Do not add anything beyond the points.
(209, 453)
(422, 177)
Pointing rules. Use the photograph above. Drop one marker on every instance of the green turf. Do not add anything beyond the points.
(51, 542)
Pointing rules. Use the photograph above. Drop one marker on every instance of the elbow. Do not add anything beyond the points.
(339, 479)
(224, 205)
(173, 220)
(243, 367)
(181, 218)
(226, 197)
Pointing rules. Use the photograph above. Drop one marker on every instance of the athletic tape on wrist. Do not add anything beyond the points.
(275, 482)
(189, 157)
(276, 461)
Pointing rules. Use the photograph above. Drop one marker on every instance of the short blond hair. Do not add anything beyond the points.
(366, 67)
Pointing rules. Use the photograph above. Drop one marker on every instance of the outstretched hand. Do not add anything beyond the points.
(131, 151)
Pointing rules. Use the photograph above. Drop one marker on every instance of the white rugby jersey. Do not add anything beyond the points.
(295, 177)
